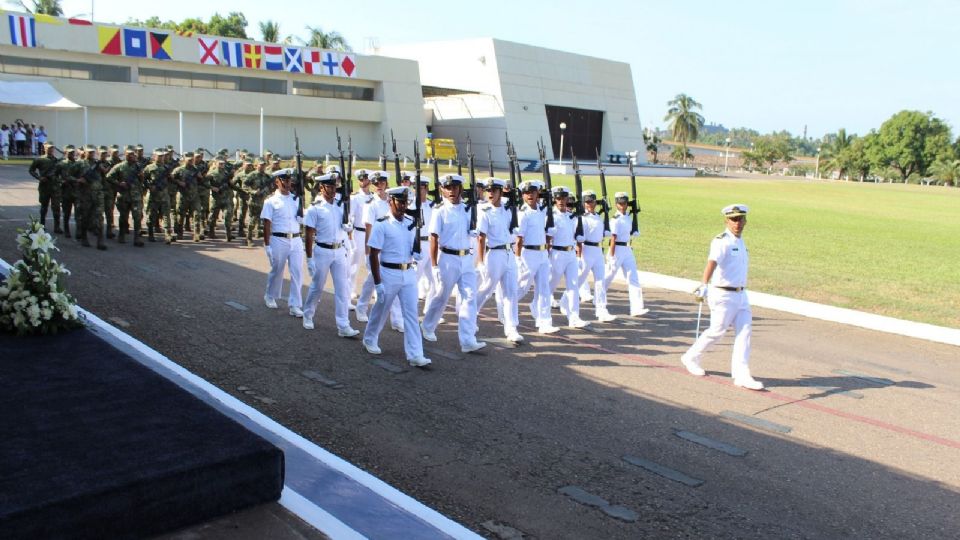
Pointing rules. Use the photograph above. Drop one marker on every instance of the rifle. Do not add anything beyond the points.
(472, 196)
(435, 192)
(383, 153)
(459, 165)
(300, 184)
(350, 155)
(547, 181)
(578, 208)
(490, 159)
(634, 207)
(396, 159)
(418, 200)
(514, 189)
(603, 190)
(344, 181)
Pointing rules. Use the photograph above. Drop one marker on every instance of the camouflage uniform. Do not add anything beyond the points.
(203, 192)
(189, 207)
(222, 187)
(243, 197)
(258, 186)
(109, 189)
(126, 177)
(44, 169)
(90, 200)
(155, 180)
(68, 171)
(173, 189)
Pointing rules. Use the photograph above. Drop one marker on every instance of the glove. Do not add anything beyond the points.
(551, 231)
(700, 293)
(515, 231)
(482, 269)
(611, 260)
(311, 266)
(436, 275)
(521, 266)
(474, 233)
(381, 293)
(635, 234)
(607, 234)
(417, 256)
(269, 251)
(346, 227)
(579, 238)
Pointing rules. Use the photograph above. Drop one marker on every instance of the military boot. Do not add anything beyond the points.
(66, 229)
(137, 242)
(56, 225)
(83, 239)
(100, 245)
(150, 233)
(179, 230)
(121, 238)
(110, 232)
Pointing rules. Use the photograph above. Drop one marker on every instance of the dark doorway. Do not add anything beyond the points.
(584, 131)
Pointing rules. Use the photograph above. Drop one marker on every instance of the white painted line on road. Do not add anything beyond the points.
(317, 517)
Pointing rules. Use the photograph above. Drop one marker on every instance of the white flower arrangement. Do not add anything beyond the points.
(32, 298)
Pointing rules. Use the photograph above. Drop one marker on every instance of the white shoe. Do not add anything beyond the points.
(514, 337)
(475, 346)
(441, 321)
(270, 302)
(397, 327)
(606, 317)
(554, 303)
(362, 317)
(351, 307)
(693, 367)
(296, 312)
(307, 323)
(748, 382)
(639, 313)
(371, 348)
(579, 323)
(586, 298)
(548, 329)
(419, 362)
(429, 336)
(346, 331)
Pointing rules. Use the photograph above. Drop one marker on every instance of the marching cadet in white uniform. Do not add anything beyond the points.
(495, 256)
(282, 243)
(425, 282)
(358, 202)
(450, 237)
(326, 235)
(375, 210)
(726, 274)
(591, 257)
(621, 256)
(532, 251)
(392, 267)
(563, 258)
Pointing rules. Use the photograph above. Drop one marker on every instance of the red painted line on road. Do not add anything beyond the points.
(950, 443)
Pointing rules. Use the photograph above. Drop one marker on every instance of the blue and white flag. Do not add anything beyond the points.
(232, 53)
(293, 59)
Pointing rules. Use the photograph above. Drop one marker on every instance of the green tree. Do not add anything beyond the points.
(910, 142)
(325, 40)
(946, 171)
(767, 151)
(44, 7)
(856, 156)
(270, 30)
(681, 154)
(652, 142)
(833, 152)
(685, 121)
(233, 25)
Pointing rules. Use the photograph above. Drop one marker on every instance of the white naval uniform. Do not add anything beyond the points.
(501, 265)
(564, 264)
(623, 259)
(281, 211)
(394, 239)
(374, 211)
(331, 257)
(425, 283)
(450, 223)
(534, 264)
(591, 258)
(726, 306)
(357, 203)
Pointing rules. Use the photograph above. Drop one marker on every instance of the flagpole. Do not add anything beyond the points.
(214, 143)
(180, 113)
(86, 140)
(261, 131)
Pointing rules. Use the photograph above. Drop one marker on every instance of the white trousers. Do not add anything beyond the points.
(564, 265)
(286, 250)
(425, 282)
(357, 257)
(366, 293)
(455, 271)
(535, 270)
(623, 260)
(336, 263)
(501, 275)
(400, 287)
(726, 308)
(591, 261)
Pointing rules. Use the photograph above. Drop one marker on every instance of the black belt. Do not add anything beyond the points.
(459, 252)
(397, 266)
(732, 289)
(361, 229)
(562, 248)
(535, 248)
(285, 235)
(588, 243)
(330, 246)
(504, 247)
(621, 243)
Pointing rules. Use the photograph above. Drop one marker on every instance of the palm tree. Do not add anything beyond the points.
(685, 122)
(833, 154)
(270, 30)
(946, 171)
(325, 40)
(44, 7)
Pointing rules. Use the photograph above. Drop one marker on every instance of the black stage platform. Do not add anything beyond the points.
(95, 445)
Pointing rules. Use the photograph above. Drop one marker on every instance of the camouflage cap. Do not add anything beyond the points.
(139, 147)
(101, 149)
(244, 151)
(90, 148)
(159, 150)
(223, 151)
(114, 147)
(70, 148)
(49, 144)
(276, 159)
(248, 161)
(268, 152)
(199, 150)
(129, 150)
(188, 155)
(169, 147)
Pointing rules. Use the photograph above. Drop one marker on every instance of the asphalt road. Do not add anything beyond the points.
(860, 435)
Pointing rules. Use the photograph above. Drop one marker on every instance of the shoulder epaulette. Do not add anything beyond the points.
(384, 218)
(721, 235)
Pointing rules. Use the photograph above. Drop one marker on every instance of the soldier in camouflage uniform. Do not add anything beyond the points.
(90, 199)
(203, 191)
(258, 185)
(221, 184)
(68, 170)
(186, 177)
(142, 162)
(155, 179)
(44, 169)
(242, 196)
(108, 159)
(126, 176)
(171, 163)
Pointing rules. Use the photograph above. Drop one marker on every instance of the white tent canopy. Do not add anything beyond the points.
(38, 95)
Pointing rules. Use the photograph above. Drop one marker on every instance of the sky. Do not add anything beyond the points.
(767, 65)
